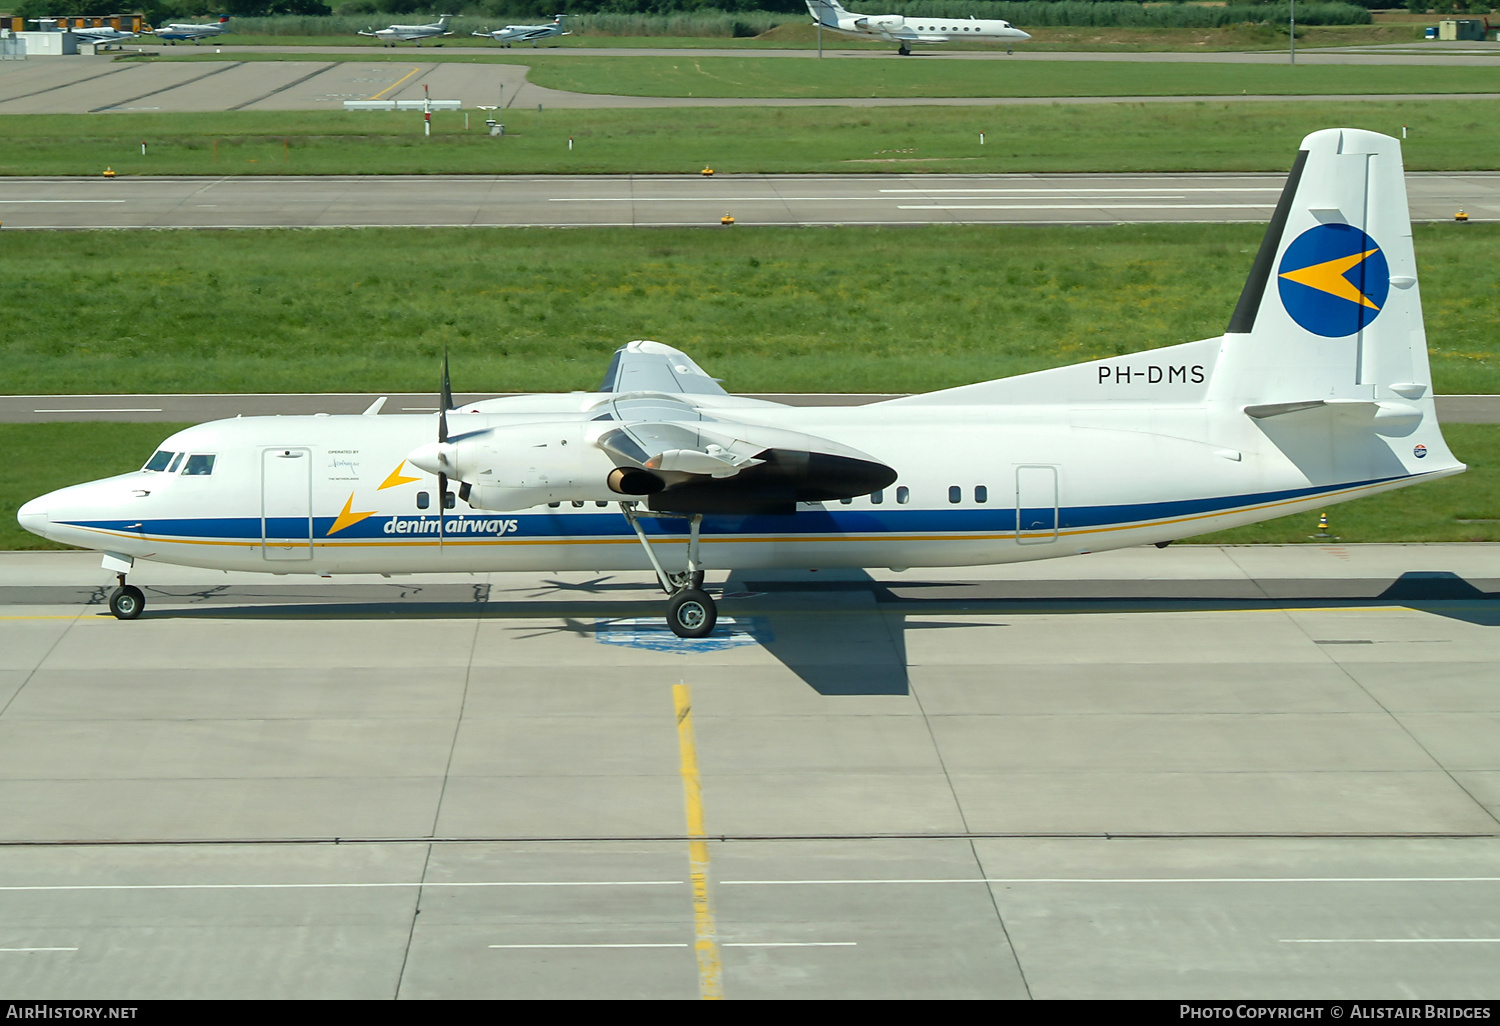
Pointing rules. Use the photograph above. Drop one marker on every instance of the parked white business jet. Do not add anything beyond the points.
(192, 31)
(532, 34)
(410, 33)
(893, 28)
(1318, 392)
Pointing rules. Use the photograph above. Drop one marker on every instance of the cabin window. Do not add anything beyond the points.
(877, 497)
(449, 500)
(846, 501)
(199, 464)
(600, 503)
(981, 493)
(553, 505)
(903, 495)
(159, 461)
(176, 461)
(423, 500)
(955, 493)
(577, 504)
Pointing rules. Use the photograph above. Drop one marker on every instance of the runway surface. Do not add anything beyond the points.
(30, 409)
(101, 84)
(685, 200)
(1194, 772)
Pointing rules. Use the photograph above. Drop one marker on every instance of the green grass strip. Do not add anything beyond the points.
(1462, 508)
(751, 77)
(769, 309)
(1445, 135)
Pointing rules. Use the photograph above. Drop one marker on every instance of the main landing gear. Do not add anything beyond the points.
(126, 601)
(690, 611)
(904, 50)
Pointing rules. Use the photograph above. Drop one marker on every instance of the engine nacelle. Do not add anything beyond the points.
(523, 465)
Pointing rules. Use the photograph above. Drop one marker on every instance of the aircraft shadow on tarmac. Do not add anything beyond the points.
(842, 632)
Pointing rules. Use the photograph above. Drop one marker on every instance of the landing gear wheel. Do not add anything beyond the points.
(692, 614)
(126, 602)
(904, 50)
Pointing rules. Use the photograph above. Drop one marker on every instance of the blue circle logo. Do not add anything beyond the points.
(1333, 280)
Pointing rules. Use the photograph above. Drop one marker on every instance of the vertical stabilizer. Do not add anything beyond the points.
(1331, 309)
(826, 11)
(1326, 351)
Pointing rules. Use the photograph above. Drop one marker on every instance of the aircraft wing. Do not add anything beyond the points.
(652, 367)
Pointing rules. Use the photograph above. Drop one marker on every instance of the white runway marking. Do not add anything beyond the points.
(38, 949)
(684, 944)
(678, 944)
(297, 886)
(791, 944)
(717, 199)
(1076, 192)
(1390, 940)
(19, 202)
(1129, 880)
(139, 409)
(1103, 205)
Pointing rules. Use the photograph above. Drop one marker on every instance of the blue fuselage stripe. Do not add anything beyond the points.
(608, 524)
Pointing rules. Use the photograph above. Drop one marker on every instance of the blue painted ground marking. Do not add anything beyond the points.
(654, 634)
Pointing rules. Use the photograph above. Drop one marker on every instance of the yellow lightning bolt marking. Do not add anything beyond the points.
(396, 478)
(347, 518)
(1329, 277)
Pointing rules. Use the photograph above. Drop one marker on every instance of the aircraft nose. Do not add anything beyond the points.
(1024, 35)
(33, 515)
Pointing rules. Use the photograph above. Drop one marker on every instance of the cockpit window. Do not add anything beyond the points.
(199, 464)
(176, 462)
(159, 461)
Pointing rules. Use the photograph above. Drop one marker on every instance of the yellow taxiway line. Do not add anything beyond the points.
(705, 936)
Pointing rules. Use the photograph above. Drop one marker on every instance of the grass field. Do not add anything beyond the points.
(1445, 135)
(753, 77)
(768, 310)
(64, 454)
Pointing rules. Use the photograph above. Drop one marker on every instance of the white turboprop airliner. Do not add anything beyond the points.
(192, 31)
(410, 33)
(893, 28)
(532, 34)
(1318, 392)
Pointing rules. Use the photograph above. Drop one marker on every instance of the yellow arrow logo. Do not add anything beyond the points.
(1329, 277)
(346, 518)
(397, 478)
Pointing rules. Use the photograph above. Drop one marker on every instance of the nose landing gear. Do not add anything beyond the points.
(127, 601)
(691, 613)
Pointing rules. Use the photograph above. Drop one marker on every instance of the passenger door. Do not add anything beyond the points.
(1036, 505)
(286, 503)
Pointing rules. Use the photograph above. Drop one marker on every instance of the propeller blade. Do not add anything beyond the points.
(445, 403)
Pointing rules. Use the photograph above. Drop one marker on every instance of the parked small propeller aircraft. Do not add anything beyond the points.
(85, 33)
(192, 32)
(894, 28)
(103, 34)
(532, 34)
(1318, 392)
(410, 33)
